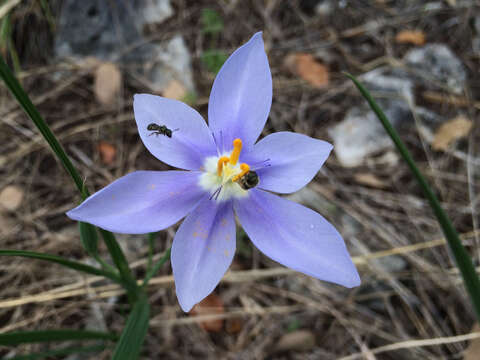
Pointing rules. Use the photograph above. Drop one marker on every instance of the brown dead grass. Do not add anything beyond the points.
(387, 315)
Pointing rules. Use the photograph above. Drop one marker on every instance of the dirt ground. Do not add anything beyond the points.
(410, 290)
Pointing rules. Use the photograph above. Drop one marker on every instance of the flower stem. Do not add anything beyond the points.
(151, 248)
(105, 266)
(122, 265)
(462, 258)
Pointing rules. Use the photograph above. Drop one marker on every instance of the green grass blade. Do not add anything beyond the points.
(89, 238)
(213, 60)
(14, 56)
(4, 34)
(121, 263)
(212, 22)
(462, 258)
(62, 261)
(22, 337)
(48, 15)
(60, 352)
(16, 89)
(151, 272)
(133, 335)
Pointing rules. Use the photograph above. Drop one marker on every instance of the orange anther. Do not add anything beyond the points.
(221, 162)
(237, 148)
(245, 168)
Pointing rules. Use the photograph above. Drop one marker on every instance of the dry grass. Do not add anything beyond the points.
(420, 312)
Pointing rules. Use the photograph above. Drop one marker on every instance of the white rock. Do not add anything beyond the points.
(393, 84)
(438, 63)
(156, 11)
(357, 136)
(361, 134)
(173, 63)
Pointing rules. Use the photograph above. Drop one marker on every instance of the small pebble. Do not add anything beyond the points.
(11, 197)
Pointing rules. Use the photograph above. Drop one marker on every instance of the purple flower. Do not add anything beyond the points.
(227, 172)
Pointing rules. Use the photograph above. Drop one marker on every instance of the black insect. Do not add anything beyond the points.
(249, 180)
(160, 130)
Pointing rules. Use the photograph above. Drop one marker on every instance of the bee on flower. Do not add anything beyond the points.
(226, 171)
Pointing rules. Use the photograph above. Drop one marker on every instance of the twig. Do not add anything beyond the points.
(106, 291)
(417, 343)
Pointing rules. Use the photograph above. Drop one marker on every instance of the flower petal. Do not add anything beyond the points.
(202, 251)
(241, 96)
(141, 202)
(294, 160)
(296, 237)
(191, 140)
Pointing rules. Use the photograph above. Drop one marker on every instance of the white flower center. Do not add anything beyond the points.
(222, 175)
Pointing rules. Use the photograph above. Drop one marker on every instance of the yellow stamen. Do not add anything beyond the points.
(221, 162)
(237, 147)
(245, 168)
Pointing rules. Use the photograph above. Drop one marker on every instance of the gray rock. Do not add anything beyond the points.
(175, 57)
(437, 63)
(476, 39)
(155, 11)
(162, 63)
(100, 28)
(360, 134)
(105, 30)
(95, 28)
(389, 83)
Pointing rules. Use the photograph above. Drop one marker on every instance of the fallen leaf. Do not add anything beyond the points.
(305, 66)
(234, 325)
(108, 81)
(473, 350)
(11, 197)
(300, 340)
(415, 37)
(107, 152)
(175, 90)
(451, 131)
(370, 180)
(211, 305)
